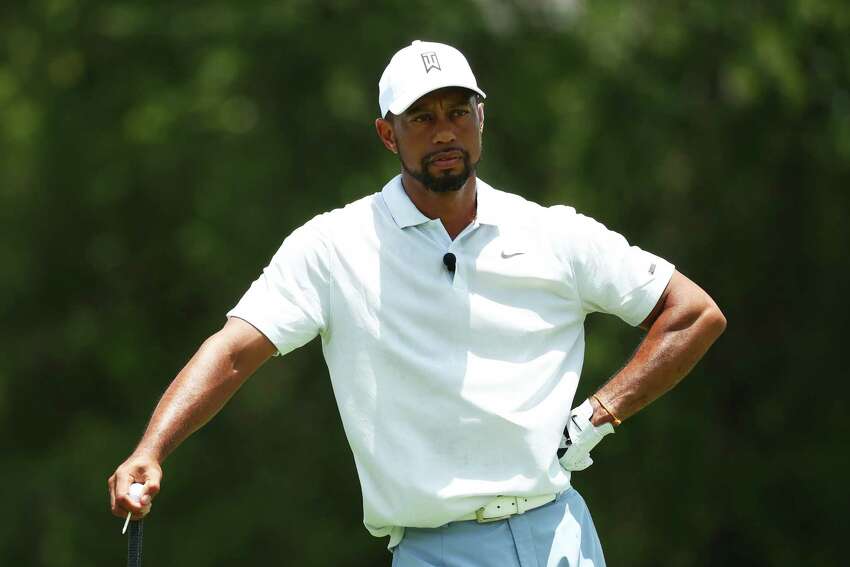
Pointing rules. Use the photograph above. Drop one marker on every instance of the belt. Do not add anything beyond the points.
(502, 507)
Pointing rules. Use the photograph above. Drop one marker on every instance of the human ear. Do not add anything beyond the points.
(385, 131)
(480, 110)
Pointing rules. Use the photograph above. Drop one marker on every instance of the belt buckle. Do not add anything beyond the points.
(479, 514)
(479, 517)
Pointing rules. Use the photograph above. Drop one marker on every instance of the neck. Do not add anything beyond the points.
(455, 209)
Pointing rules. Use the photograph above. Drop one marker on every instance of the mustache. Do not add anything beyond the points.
(430, 157)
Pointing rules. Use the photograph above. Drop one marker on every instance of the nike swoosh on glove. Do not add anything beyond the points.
(580, 437)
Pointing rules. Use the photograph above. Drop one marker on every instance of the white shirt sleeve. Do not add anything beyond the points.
(288, 303)
(612, 276)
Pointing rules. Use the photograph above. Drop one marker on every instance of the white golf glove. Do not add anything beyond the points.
(583, 436)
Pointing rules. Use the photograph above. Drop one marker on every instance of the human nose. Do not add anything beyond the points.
(444, 132)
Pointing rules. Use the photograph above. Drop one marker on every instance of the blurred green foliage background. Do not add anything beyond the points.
(154, 154)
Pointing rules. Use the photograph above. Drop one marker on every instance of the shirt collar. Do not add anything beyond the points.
(402, 209)
(488, 210)
(405, 213)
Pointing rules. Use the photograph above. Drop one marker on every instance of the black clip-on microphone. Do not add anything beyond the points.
(450, 260)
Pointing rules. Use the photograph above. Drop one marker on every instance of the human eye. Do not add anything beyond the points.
(460, 111)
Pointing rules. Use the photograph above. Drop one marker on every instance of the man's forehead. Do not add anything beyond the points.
(447, 95)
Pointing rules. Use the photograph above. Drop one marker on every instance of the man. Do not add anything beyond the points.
(451, 316)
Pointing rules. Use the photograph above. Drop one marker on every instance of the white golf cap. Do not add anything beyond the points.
(420, 68)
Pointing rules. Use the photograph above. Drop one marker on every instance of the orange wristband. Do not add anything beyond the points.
(617, 420)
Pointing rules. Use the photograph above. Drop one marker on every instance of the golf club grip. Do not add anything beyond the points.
(134, 544)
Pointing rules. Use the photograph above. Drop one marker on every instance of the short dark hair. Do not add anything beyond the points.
(389, 115)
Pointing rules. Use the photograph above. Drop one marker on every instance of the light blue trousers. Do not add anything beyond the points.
(558, 534)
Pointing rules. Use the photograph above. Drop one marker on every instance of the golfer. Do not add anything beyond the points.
(451, 315)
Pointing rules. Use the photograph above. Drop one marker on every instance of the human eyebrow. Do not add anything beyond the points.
(464, 102)
(417, 115)
(414, 109)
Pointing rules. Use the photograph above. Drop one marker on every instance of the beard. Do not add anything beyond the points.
(446, 181)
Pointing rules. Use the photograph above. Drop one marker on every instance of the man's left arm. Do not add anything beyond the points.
(680, 329)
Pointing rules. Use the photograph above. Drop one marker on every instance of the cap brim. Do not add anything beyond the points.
(403, 102)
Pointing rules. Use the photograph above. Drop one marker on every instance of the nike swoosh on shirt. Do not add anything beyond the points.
(511, 254)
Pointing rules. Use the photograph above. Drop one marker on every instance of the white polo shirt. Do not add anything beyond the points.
(452, 388)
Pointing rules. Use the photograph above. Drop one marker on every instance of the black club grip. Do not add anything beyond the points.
(134, 544)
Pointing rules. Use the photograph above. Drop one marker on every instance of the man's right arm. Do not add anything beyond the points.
(222, 364)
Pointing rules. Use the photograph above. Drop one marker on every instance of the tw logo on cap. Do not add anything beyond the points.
(429, 59)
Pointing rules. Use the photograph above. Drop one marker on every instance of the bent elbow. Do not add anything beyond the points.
(715, 320)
